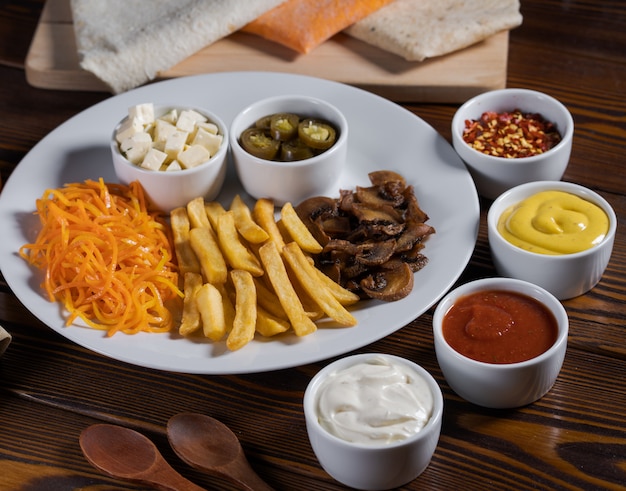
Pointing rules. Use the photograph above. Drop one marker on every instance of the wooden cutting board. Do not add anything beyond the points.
(52, 63)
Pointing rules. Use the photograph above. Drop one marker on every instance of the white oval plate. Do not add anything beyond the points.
(383, 135)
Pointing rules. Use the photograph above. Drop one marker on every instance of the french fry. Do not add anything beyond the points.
(236, 254)
(268, 300)
(187, 260)
(190, 321)
(229, 308)
(298, 230)
(277, 274)
(343, 295)
(247, 227)
(309, 280)
(214, 210)
(197, 214)
(244, 325)
(211, 308)
(206, 248)
(263, 214)
(268, 325)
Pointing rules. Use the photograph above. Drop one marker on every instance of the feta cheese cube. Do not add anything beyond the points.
(174, 165)
(170, 117)
(193, 156)
(175, 144)
(208, 126)
(188, 119)
(208, 140)
(128, 128)
(143, 112)
(162, 130)
(153, 159)
(136, 147)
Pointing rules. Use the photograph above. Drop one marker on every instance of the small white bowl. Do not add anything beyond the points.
(494, 175)
(172, 189)
(501, 386)
(373, 466)
(565, 275)
(290, 181)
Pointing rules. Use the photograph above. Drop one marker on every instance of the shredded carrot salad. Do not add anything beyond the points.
(106, 258)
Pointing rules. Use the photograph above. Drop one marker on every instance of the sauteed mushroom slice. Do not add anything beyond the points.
(382, 177)
(313, 212)
(390, 282)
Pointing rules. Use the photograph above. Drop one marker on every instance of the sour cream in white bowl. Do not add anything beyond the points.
(373, 420)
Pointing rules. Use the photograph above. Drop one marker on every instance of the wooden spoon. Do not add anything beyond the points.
(210, 446)
(125, 454)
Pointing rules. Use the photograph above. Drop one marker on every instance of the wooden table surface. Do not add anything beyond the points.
(573, 438)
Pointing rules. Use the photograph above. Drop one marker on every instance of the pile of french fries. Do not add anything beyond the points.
(245, 272)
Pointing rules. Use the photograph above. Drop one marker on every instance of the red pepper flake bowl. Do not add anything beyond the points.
(512, 136)
(499, 318)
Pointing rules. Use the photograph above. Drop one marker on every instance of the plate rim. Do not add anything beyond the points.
(324, 86)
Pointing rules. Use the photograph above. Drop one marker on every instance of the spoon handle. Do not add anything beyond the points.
(176, 482)
(248, 479)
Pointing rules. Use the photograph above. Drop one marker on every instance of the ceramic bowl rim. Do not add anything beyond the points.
(344, 362)
(335, 148)
(566, 137)
(530, 188)
(553, 304)
(159, 110)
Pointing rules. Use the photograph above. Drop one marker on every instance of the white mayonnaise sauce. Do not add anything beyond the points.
(374, 401)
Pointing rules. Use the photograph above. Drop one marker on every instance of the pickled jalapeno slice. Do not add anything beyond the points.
(294, 150)
(317, 134)
(257, 142)
(284, 126)
(288, 137)
(264, 122)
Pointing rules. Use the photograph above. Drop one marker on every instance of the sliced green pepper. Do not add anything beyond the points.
(317, 134)
(257, 142)
(264, 122)
(284, 126)
(295, 150)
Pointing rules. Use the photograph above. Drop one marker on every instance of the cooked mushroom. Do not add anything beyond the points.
(372, 236)
(390, 283)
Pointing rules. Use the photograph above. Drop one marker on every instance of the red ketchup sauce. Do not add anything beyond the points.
(499, 327)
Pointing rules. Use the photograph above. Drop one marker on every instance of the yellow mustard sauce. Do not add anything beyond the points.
(554, 222)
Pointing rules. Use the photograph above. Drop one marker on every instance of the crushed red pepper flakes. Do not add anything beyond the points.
(511, 134)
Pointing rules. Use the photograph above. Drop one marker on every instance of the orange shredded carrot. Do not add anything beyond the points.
(105, 257)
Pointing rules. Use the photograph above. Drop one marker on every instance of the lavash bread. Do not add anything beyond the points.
(126, 43)
(420, 29)
(302, 25)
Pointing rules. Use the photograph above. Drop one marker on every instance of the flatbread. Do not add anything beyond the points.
(302, 25)
(126, 43)
(420, 29)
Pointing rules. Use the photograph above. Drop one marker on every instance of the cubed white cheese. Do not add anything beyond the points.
(136, 147)
(188, 119)
(171, 116)
(193, 156)
(153, 159)
(162, 130)
(175, 144)
(128, 128)
(143, 112)
(208, 140)
(174, 165)
(208, 126)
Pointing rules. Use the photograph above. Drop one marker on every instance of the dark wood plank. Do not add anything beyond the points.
(573, 438)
